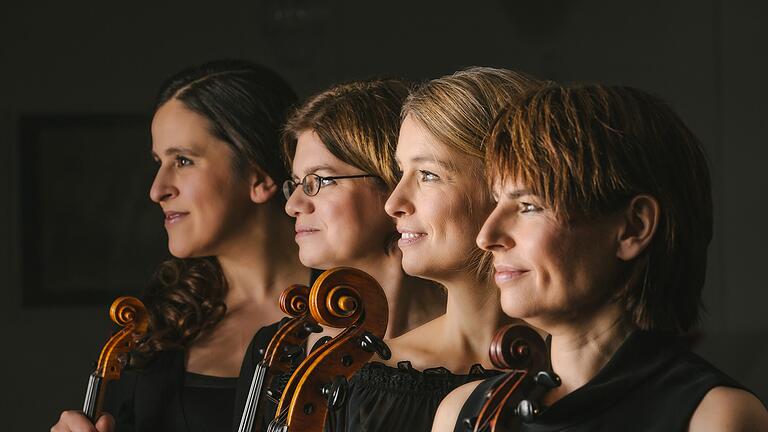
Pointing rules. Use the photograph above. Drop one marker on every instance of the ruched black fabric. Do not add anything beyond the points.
(652, 383)
(154, 398)
(384, 399)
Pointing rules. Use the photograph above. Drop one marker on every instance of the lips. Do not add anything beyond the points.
(506, 274)
(303, 231)
(173, 217)
(409, 237)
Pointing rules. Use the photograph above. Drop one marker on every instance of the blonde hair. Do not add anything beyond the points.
(358, 122)
(458, 110)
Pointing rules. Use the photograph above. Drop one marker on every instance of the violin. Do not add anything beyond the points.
(515, 399)
(283, 354)
(129, 313)
(345, 298)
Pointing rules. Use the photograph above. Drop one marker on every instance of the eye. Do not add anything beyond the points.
(181, 161)
(529, 208)
(325, 181)
(427, 176)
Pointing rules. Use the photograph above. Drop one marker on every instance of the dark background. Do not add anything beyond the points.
(708, 58)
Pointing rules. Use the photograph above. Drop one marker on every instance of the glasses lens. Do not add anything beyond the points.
(311, 184)
(288, 187)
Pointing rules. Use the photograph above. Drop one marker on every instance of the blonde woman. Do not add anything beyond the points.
(439, 204)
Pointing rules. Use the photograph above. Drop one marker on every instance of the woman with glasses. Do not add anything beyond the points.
(438, 204)
(599, 237)
(340, 145)
(215, 138)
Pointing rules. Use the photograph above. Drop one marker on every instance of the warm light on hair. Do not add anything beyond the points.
(587, 150)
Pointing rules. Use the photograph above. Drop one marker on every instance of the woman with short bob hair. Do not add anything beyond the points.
(340, 145)
(603, 217)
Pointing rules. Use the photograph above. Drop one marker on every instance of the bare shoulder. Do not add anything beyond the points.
(731, 409)
(450, 407)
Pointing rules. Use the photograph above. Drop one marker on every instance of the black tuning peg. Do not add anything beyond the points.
(312, 327)
(336, 392)
(548, 380)
(469, 423)
(320, 342)
(527, 410)
(372, 343)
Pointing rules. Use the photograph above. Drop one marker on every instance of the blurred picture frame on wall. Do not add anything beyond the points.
(89, 231)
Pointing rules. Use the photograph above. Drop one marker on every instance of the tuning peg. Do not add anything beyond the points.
(320, 342)
(469, 423)
(372, 343)
(336, 392)
(548, 380)
(312, 327)
(527, 410)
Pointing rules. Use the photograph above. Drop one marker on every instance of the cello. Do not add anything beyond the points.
(345, 298)
(282, 355)
(515, 399)
(129, 313)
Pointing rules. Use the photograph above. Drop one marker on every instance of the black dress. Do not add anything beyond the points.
(162, 396)
(652, 383)
(383, 398)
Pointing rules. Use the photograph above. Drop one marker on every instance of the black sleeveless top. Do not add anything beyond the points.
(652, 383)
(162, 396)
(383, 398)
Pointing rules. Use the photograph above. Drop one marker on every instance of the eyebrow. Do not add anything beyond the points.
(518, 193)
(422, 159)
(315, 168)
(172, 151)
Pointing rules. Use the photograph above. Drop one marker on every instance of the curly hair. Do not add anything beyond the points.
(245, 105)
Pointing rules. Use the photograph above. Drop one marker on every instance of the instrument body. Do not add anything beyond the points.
(282, 355)
(346, 298)
(129, 313)
(515, 399)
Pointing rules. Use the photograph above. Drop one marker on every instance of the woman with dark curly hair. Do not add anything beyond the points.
(215, 138)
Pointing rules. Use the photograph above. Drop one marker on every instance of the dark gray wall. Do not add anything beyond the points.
(707, 58)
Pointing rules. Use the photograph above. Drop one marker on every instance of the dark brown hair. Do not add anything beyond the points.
(245, 105)
(358, 122)
(587, 150)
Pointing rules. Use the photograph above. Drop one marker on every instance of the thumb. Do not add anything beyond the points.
(106, 423)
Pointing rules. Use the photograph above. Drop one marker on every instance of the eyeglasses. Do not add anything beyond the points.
(312, 183)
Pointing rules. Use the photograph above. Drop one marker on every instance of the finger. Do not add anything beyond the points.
(73, 421)
(106, 423)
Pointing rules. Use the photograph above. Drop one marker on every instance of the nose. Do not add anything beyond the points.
(298, 203)
(162, 188)
(493, 236)
(399, 203)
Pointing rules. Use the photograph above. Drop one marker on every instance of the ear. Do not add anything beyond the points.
(263, 188)
(639, 222)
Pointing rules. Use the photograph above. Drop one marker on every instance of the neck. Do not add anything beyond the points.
(583, 345)
(473, 315)
(264, 261)
(411, 300)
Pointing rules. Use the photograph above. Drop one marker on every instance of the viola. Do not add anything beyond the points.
(283, 354)
(129, 313)
(344, 298)
(515, 399)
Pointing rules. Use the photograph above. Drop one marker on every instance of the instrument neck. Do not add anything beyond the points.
(94, 397)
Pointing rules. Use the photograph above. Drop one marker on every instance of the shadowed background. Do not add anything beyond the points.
(84, 189)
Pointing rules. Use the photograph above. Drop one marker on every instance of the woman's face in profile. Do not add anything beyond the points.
(203, 201)
(547, 270)
(439, 204)
(344, 224)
